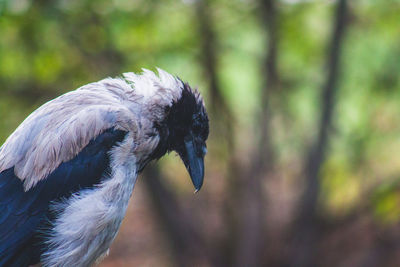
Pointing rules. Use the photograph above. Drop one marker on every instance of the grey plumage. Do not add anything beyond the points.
(59, 129)
(140, 105)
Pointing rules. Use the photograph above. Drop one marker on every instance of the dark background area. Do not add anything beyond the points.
(303, 97)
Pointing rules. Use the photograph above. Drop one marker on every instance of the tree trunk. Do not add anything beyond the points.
(251, 236)
(306, 227)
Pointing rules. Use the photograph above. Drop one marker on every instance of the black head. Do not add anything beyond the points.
(185, 130)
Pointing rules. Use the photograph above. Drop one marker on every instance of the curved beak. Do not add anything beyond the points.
(195, 162)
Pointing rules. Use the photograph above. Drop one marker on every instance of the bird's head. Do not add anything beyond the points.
(185, 130)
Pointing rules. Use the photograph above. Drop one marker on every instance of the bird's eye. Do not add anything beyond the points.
(200, 126)
(196, 128)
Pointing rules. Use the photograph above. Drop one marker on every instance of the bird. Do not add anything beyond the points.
(68, 171)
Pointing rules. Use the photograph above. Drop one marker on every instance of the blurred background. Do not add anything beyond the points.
(303, 97)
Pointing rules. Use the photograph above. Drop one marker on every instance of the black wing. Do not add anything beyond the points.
(22, 213)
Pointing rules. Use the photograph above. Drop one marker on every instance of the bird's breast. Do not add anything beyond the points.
(90, 220)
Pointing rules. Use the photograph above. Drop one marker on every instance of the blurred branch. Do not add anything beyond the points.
(31, 92)
(306, 224)
(208, 55)
(251, 230)
(264, 156)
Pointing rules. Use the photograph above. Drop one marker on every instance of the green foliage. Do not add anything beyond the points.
(386, 203)
(50, 47)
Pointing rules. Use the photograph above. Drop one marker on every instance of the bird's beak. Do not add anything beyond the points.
(195, 162)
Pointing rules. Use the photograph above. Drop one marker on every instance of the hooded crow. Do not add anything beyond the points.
(68, 171)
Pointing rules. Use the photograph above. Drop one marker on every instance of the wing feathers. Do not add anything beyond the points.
(24, 215)
(58, 131)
